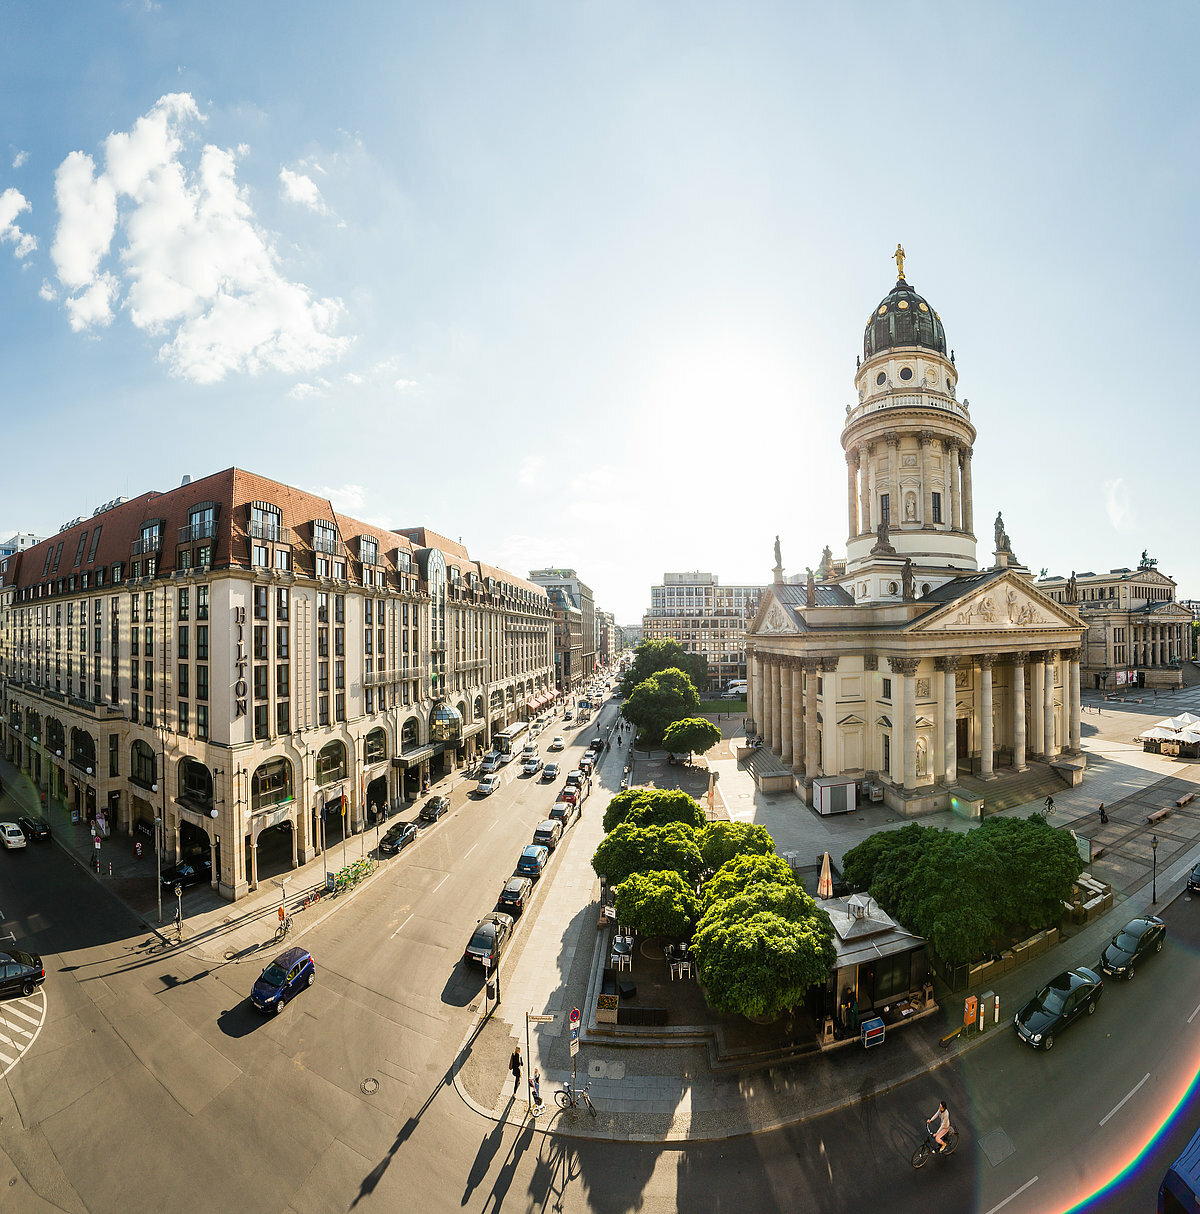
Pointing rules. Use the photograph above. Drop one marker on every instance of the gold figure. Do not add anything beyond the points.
(898, 257)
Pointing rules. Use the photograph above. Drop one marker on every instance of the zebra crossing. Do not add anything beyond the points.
(21, 1021)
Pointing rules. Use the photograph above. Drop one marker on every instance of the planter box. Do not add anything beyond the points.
(607, 1009)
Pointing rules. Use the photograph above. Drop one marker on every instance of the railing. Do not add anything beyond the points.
(330, 546)
(269, 531)
(909, 400)
(146, 543)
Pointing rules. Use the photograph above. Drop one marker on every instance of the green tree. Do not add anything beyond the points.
(653, 807)
(690, 736)
(721, 841)
(652, 656)
(658, 903)
(659, 701)
(740, 873)
(791, 901)
(1040, 866)
(629, 849)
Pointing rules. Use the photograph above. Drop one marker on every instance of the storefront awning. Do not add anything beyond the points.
(469, 731)
(411, 758)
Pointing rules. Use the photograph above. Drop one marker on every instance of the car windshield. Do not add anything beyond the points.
(274, 974)
(484, 935)
(1052, 999)
(1128, 941)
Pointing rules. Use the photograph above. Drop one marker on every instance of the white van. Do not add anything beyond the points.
(490, 762)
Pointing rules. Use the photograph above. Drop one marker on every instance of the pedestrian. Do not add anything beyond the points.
(1103, 815)
(535, 1093)
(514, 1065)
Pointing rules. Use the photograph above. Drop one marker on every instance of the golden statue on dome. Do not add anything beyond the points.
(898, 257)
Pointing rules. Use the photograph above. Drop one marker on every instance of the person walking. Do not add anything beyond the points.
(1103, 815)
(514, 1065)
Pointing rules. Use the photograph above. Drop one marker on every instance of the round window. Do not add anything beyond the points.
(881, 378)
(924, 587)
(906, 372)
(882, 309)
(902, 304)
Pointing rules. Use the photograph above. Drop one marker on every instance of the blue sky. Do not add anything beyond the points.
(583, 284)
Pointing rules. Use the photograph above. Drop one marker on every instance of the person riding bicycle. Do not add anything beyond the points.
(1049, 805)
(942, 1116)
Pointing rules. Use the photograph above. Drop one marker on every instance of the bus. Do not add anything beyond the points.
(510, 741)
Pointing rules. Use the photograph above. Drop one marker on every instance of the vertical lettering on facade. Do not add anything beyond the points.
(239, 662)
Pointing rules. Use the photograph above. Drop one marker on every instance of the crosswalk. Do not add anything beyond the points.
(21, 1021)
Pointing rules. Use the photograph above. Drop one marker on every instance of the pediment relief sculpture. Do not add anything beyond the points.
(776, 620)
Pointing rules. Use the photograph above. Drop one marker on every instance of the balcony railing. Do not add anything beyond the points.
(261, 530)
(197, 531)
(330, 545)
(146, 543)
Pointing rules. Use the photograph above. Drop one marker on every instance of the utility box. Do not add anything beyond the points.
(987, 1001)
(970, 1011)
(872, 1032)
(835, 794)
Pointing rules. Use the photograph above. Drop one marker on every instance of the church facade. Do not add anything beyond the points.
(908, 664)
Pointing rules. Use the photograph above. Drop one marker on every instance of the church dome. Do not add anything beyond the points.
(903, 318)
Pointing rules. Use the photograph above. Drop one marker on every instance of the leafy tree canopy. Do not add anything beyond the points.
(658, 702)
(790, 901)
(743, 871)
(629, 849)
(659, 903)
(652, 656)
(692, 735)
(721, 841)
(653, 807)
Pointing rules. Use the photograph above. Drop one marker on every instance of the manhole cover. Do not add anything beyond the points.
(369, 1087)
(230, 954)
(997, 1146)
(597, 1070)
(616, 1070)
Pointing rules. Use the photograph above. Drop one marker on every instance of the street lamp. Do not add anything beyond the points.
(158, 864)
(1154, 870)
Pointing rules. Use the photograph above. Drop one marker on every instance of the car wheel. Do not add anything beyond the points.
(1091, 1007)
(312, 978)
(1048, 1041)
(279, 1006)
(1129, 974)
(28, 989)
(1158, 946)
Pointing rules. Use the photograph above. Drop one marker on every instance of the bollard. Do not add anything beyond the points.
(110, 868)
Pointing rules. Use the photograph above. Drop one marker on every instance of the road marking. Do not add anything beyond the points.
(400, 928)
(440, 884)
(470, 850)
(1031, 1181)
(17, 1012)
(1193, 1015)
(21, 1007)
(1124, 1098)
(494, 824)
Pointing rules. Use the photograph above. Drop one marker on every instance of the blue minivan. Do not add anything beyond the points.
(1179, 1192)
(533, 860)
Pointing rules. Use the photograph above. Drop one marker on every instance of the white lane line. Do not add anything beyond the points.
(25, 1046)
(1031, 1181)
(1124, 1098)
(440, 884)
(1194, 1014)
(16, 1011)
(400, 928)
(494, 824)
(470, 850)
(16, 1028)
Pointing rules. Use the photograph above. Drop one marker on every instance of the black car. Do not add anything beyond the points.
(1072, 994)
(34, 829)
(433, 809)
(190, 872)
(489, 940)
(565, 812)
(397, 836)
(20, 973)
(1193, 881)
(515, 894)
(1137, 938)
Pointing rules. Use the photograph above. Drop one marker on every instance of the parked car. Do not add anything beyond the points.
(397, 837)
(558, 743)
(550, 772)
(568, 715)
(515, 894)
(1135, 940)
(533, 860)
(11, 836)
(596, 745)
(1060, 1002)
(487, 785)
(489, 940)
(34, 829)
(587, 764)
(20, 973)
(433, 809)
(1193, 881)
(548, 833)
(570, 793)
(190, 872)
(565, 812)
(532, 765)
(288, 974)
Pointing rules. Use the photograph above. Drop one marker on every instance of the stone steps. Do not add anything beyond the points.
(1036, 784)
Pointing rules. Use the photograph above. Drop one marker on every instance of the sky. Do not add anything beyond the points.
(583, 284)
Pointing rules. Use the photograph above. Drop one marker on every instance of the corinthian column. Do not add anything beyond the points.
(1048, 706)
(829, 735)
(797, 716)
(785, 715)
(986, 741)
(926, 481)
(864, 489)
(810, 720)
(948, 665)
(1073, 710)
(904, 669)
(1019, 660)
(968, 506)
(777, 705)
(1038, 700)
(852, 492)
(951, 449)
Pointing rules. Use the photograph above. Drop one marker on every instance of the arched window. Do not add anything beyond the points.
(56, 737)
(409, 733)
(375, 747)
(479, 708)
(33, 725)
(271, 784)
(83, 749)
(195, 784)
(143, 765)
(331, 763)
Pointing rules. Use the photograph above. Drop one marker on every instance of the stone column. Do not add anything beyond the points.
(852, 492)
(829, 735)
(1038, 701)
(926, 437)
(777, 705)
(1073, 709)
(986, 741)
(1019, 660)
(797, 716)
(1048, 708)
(751, 685)
(951, 449)
(892, 439)
(968, 505)
(810, 720)
(948, 665)
(904, 669)
(785, 715)
(864, 488)
(768, 699)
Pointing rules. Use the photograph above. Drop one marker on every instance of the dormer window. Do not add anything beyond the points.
(368, 549)
(266, 522)
(324, 537)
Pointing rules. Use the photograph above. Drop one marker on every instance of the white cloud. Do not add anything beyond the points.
(12, 203)
(195, 266)
(405, 385)
(20, 159)
(349, 499)
(302, 190)
(304, 391)
(529, 474)
(1116, 502)
(352, 378)
(46, 290)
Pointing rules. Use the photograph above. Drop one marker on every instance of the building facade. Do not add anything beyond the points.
(705, 618)
(579, 595)
(1138, 634)
(18, 542)
(606, 637)
(568, 641)
(909, 665)
(234, 657)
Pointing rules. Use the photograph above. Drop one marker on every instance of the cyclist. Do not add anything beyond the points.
(942, 1116)
(1049, 805)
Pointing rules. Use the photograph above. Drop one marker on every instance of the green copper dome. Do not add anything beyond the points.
(903, 318)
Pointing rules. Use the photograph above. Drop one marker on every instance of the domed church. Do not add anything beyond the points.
(907, 666)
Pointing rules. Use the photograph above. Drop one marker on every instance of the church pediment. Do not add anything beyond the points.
(1004, 605)
(773, 619)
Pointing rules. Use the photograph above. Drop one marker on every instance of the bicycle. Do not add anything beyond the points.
(285, 926)
(1050, 808)
(312, 899)
(929, 1146)
(570, 1098)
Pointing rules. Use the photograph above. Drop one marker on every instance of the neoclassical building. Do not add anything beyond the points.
(234, 657)
(908, 664)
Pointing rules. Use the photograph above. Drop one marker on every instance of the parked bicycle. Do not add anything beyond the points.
(929, 1146)
(571, 1098)
(285, 926)
(312, 899)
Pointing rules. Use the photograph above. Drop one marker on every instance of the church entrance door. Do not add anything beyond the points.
(962, 737)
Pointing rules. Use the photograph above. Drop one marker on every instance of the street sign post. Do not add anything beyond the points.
(574, 1045)
(530, 1018)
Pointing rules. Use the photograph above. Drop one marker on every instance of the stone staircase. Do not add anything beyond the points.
(770, 772)
(1014, 788)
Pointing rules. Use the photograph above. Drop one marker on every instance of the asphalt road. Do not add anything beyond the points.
(153, 1084)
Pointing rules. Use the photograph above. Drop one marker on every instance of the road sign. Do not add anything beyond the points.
(97, 843)
(575, 1016)
(574, 1040)
(540, 1019)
